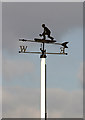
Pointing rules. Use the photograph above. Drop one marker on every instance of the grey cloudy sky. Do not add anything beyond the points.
(0, 59)
(42, 0)
(60, 18)
(21, 73)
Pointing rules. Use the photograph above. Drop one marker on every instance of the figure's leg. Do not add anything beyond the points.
(50, 37)
(44, 37)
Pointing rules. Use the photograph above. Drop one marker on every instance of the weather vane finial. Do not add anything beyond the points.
(44, 41)
(43, 53)
(46, 32)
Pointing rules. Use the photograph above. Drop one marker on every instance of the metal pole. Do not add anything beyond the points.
(43, 69)
(43, 88)
(45, 95)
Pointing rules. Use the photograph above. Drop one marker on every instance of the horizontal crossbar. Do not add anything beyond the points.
(58, 53)
(45, 53)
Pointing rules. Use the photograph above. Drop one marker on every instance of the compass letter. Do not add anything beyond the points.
(23, 49)
(62, 50)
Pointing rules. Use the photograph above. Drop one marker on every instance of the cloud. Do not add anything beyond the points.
(0, 101)
(65, 104)
(80, 72)
(16, 68)
(0, 66)
(84, 76)
(21, 102)
(25, 102)
(42, 1)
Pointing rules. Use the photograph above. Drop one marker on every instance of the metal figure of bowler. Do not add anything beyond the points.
(46, 32)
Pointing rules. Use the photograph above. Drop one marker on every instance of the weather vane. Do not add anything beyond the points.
(43, 53)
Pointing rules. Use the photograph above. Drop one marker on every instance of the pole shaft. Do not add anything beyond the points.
(45, 95)
(43, 46)
(42, 87)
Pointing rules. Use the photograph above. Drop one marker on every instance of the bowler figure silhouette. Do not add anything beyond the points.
(46, 32)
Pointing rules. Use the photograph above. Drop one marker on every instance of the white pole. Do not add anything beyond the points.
(42, 87)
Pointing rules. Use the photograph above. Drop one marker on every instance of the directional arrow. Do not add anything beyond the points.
(45, 41)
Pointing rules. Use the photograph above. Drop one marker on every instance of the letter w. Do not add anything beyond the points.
(23, 48)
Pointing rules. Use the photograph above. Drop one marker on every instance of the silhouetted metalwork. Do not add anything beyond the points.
(43, 53)
(45, 41)
(46, 32)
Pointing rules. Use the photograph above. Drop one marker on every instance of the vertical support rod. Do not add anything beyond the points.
(45, 95)
(43, 46)
(43, 88)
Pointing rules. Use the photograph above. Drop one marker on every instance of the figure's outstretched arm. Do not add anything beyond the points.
(40, 35)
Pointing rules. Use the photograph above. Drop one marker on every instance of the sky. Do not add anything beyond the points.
(21, 72)
(42, 0)
(0, 60)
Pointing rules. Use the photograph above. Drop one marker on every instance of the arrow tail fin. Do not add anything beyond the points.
(65, 44)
